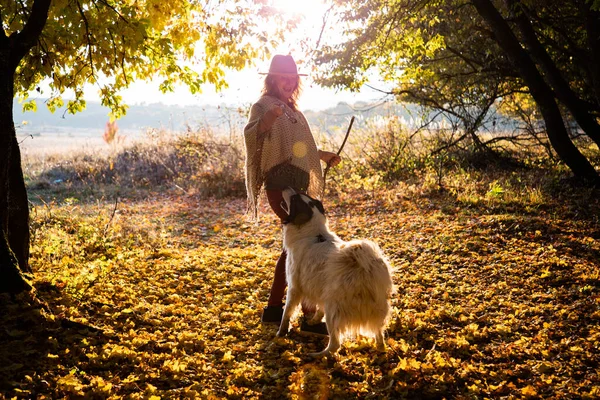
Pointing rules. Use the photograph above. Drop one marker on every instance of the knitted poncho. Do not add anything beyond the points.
(288, 141)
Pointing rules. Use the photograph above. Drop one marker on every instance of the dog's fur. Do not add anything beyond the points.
(350, 282)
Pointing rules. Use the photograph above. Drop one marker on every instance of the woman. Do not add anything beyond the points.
(281, 152)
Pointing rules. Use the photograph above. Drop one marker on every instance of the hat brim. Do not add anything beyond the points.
(281, 74)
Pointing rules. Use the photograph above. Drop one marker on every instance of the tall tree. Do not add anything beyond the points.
(110, 44)
(14, 210)
(446, 53)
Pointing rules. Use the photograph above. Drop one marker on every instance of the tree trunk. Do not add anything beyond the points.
(14, 210)
(13, 213)
(592, 25)
(18, 210)
(578, 108)
(540, 91)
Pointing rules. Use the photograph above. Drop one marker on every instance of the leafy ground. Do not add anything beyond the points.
(159, 295)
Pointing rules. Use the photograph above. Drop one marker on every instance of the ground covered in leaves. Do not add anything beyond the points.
(160, 296)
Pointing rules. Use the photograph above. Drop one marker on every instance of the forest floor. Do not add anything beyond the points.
(158, 294)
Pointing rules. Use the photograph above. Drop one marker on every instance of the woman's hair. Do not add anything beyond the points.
(271, 89)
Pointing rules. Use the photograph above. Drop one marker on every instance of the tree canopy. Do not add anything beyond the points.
(461, 57)
(111, 44)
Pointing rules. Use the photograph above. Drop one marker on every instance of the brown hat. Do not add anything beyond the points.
(283, 65)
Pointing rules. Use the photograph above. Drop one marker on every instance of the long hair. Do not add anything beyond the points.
(270, 89)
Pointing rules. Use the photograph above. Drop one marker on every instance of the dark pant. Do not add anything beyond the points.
(279, 280)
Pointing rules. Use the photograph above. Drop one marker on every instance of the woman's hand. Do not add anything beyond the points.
(266, 122)
(277, 109)
(331, 159)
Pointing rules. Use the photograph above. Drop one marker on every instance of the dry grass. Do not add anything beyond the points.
(193, 162)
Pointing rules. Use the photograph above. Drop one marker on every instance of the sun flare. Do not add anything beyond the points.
(311, 11)
(309, 16)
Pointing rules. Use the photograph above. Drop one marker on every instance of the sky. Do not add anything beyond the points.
(245, 86)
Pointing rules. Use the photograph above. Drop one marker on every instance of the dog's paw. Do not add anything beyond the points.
(282, 333)
(321, 354)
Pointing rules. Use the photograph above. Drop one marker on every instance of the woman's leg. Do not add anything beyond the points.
(275, 198)
(279, 282)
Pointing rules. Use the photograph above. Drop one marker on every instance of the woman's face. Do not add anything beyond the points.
(286, 86)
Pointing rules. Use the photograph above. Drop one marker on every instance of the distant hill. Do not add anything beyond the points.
(139, 118)
(142, 117)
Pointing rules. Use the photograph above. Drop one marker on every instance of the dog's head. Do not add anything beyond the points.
(300, 207)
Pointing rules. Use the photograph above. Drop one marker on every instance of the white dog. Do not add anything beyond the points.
(350, 282)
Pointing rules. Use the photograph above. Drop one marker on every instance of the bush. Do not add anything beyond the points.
(391, 152)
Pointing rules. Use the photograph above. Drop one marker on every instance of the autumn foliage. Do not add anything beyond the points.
(111, 133)
(153, 288)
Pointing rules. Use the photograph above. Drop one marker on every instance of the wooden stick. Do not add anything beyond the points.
(338, 153)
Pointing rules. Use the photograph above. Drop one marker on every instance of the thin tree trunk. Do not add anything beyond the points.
(540, 91)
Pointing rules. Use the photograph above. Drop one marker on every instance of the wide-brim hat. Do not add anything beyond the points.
(283, 65)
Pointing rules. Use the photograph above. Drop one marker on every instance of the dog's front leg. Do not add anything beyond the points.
(293, 299)
(284, 326)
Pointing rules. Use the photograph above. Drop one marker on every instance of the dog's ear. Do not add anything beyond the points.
(319, 206)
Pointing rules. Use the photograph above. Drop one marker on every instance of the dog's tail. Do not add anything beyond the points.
(365, 274)
(368, 262)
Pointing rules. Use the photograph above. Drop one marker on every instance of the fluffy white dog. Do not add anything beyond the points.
(350, 282)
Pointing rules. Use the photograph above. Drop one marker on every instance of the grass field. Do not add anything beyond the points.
(150, 283)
